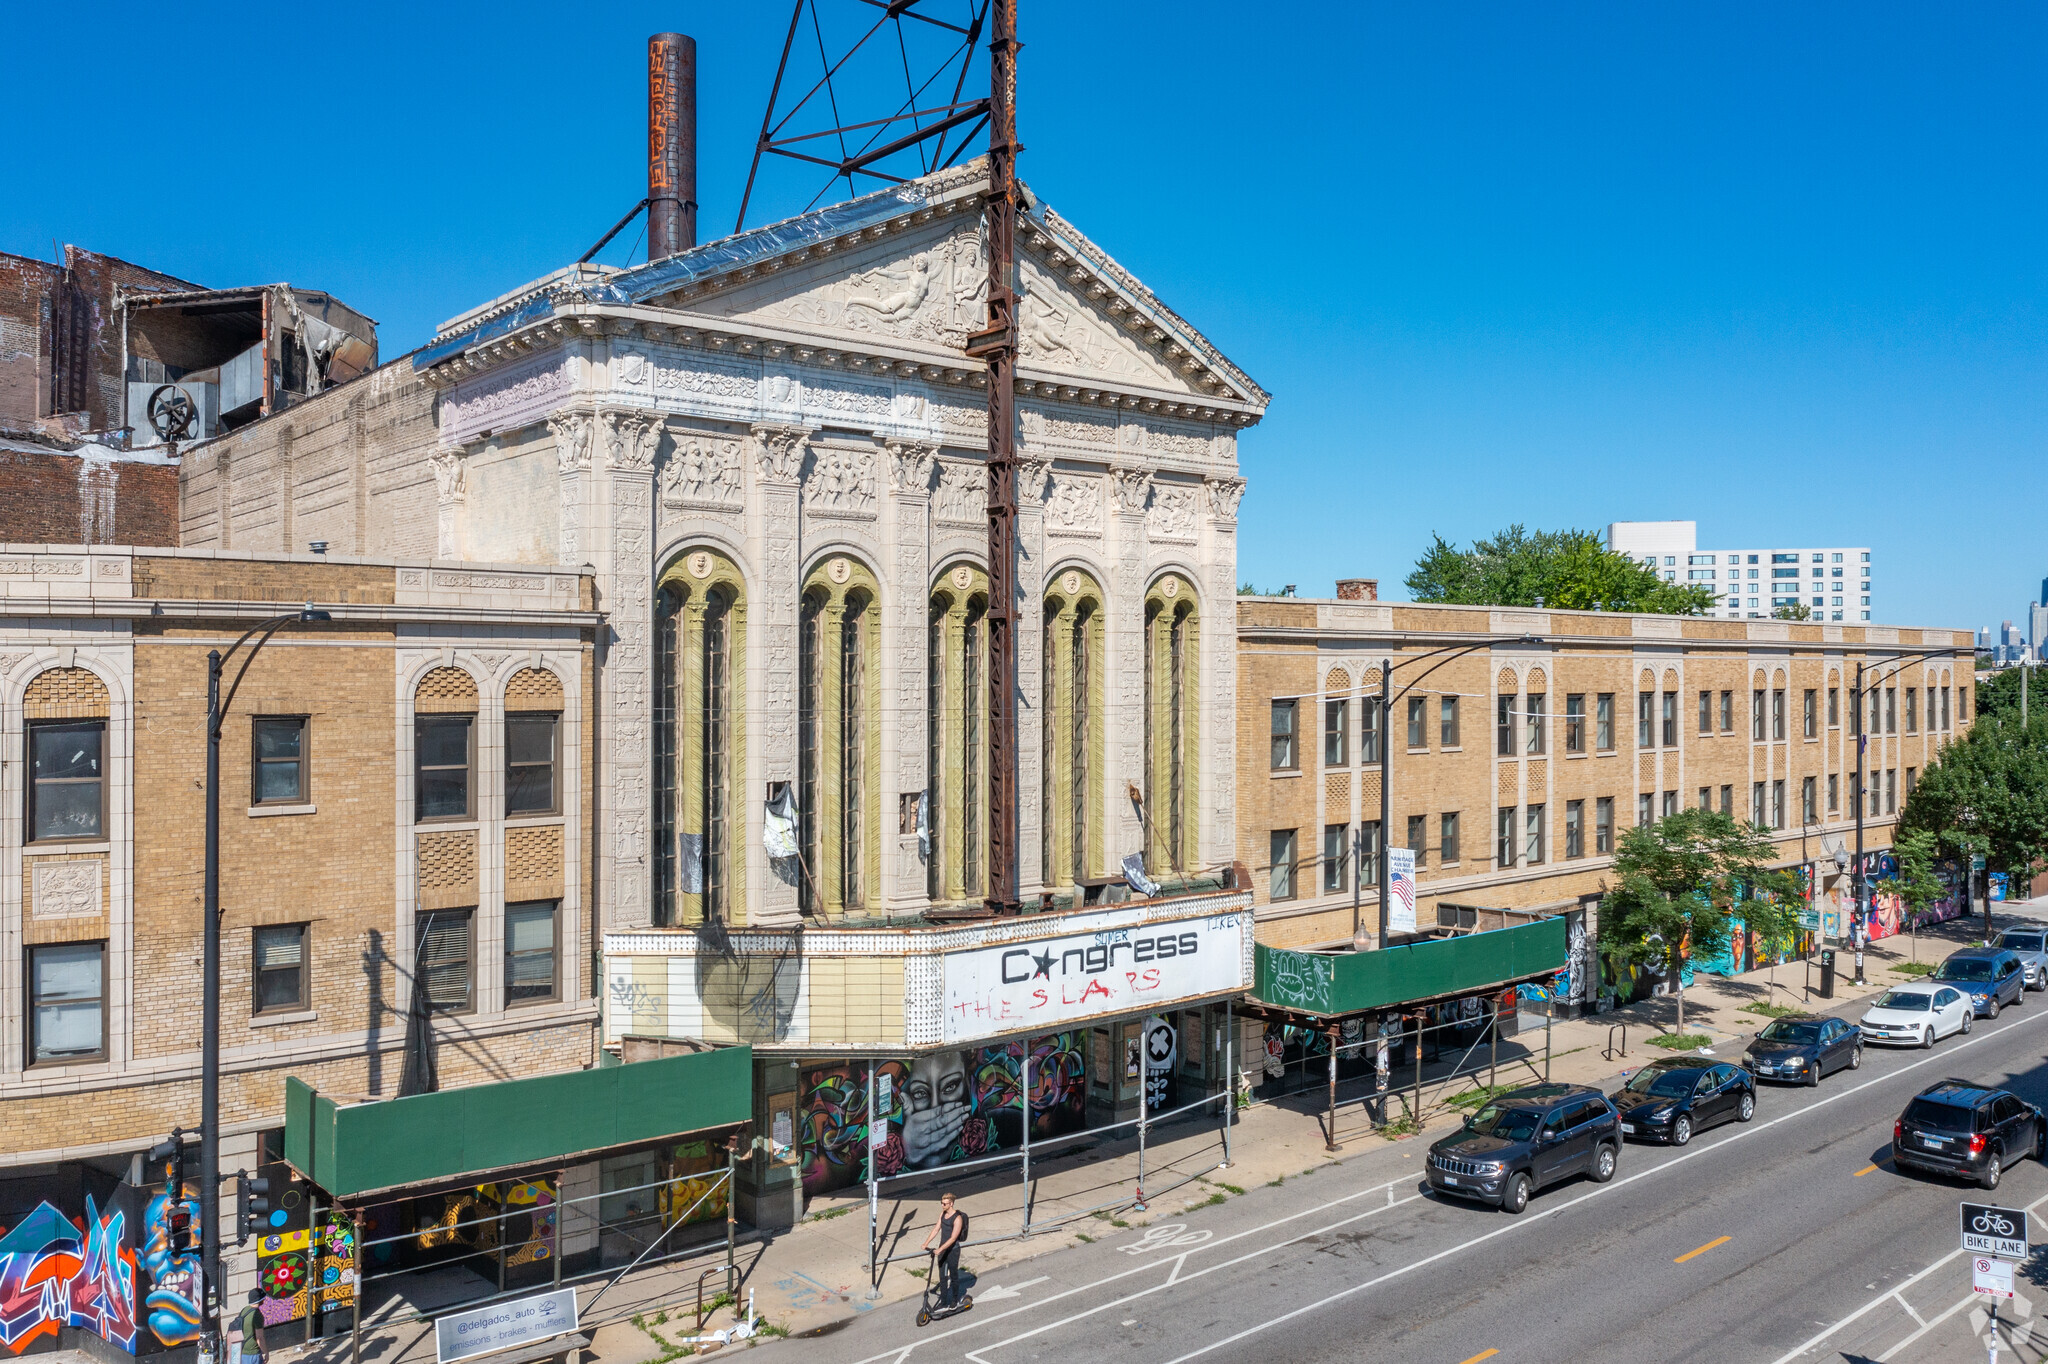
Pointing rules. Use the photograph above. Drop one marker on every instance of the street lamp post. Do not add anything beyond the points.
(209, 1064)
(1856, 883)
(1387, 698)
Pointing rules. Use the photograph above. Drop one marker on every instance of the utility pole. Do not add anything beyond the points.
(1386, 792)
(1856, 873)
(212, 1292)
(997, 347)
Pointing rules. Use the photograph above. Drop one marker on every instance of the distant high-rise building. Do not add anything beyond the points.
(1833, 582)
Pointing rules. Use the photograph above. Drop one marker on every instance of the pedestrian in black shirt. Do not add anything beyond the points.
(950, 1231)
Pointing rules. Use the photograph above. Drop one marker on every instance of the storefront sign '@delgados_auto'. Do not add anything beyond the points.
(1005, 988)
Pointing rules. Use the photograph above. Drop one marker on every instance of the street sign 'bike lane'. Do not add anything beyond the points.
(1995, 1231)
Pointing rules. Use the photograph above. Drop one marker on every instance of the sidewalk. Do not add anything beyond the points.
(812, 1279)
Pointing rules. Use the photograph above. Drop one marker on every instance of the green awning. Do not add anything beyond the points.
(350, 1148)
(1335, 983)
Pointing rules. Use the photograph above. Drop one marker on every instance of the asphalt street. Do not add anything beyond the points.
(1789, 1238)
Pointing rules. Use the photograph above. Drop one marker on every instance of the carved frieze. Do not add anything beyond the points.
(449, 482)
(1042, 427)
(1174, 513)
(1075, 507)
(66, 890)
(841, 482)
(962, 498)
(692, 374)
(506, 401)
(703, 471)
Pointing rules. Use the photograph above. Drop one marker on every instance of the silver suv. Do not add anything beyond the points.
(2030, 944)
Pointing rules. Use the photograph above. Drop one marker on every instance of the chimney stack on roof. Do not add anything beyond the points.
(1358, 589)
(671, 144)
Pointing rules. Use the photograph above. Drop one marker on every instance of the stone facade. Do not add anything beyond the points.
(1755, 745)
(784, 405)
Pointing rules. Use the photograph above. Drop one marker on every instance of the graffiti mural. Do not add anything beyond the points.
(950, 1106)
(54, 1273)
(172, 1303)
(695, 1191)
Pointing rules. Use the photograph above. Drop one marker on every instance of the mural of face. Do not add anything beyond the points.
(173, 1300)
(936, 1106)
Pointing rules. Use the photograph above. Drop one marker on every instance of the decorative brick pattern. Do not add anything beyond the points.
(65, 694)
(1337, 792)
(1536, 679)
(1337, 680)
(1507, 783)
(1539, 777)
(533, 862)
(533, 689)
(1505, 680)
(445, 691)
(1369, 793)
(448, 861)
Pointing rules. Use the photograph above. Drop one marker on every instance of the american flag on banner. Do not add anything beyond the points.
(1401, 887)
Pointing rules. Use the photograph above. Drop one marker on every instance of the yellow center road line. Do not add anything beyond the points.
(1690, 1254)
(1483, 1354)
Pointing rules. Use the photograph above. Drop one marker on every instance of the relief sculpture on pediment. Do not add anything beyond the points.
(962, 497)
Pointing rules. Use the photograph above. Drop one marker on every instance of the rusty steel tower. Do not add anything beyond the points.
(935, 122)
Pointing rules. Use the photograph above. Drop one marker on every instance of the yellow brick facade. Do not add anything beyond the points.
(347, 861)
(1755, 753)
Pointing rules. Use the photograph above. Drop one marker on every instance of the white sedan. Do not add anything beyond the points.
(1918, 1015)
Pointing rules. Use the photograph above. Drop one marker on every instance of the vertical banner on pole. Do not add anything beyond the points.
(1401, 889)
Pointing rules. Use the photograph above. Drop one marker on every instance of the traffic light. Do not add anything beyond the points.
(170, 1154)
(252, 1205)
(184, 1236)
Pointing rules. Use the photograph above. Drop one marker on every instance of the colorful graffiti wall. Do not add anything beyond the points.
(171, 1306)
(56, 1273)
(953, 1106)
(301, 1265)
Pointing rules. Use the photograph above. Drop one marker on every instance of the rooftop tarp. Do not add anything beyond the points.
(1336, 983)
(353, 1148)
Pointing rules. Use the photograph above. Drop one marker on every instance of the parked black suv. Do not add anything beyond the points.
(1957, 1128)
(1525, 1140)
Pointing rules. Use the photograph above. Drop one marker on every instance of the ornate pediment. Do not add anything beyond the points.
(927, 289)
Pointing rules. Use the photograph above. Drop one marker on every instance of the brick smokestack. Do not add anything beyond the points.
(671, 144)
(1358, 589)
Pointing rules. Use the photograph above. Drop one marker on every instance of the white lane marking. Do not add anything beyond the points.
(996, 1291)
(1525, 1220)
(1917, 1318)
(1929, 1326)
(1389, 1186)
(1880, 1299)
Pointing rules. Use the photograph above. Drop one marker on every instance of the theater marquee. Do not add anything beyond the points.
(1051, 982)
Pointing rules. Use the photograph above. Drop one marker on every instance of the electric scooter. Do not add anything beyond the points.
(926, 1313)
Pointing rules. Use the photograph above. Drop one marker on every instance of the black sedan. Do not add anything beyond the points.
(1670, 1100)
(1802, 1048)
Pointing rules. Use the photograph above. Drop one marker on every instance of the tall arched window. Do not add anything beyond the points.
(699, 751)
(958, 735)
(838, 738)
(1072, 737)
(1172, 651)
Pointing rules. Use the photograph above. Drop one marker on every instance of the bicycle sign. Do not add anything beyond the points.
(1995, 1231)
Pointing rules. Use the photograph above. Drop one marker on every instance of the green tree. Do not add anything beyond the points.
(1914, 882)
(1571, 570)
(1676, 886)
(1796, 611)
(1987, 794)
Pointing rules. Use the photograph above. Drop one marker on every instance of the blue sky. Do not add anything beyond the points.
(1776, 269)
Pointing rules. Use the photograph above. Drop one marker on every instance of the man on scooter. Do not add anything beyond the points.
(951, 1231)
